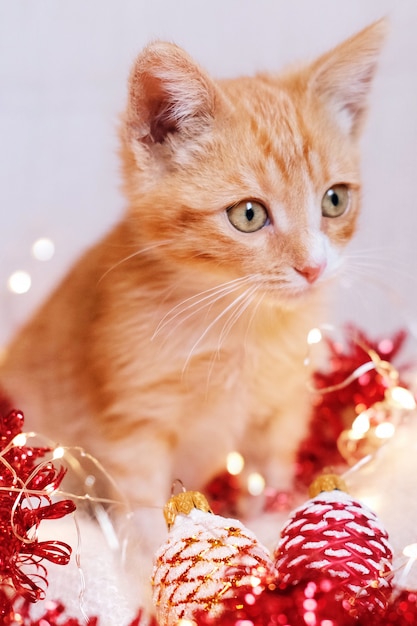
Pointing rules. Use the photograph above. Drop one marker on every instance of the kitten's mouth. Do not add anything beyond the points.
(289, 295)
(296, 296)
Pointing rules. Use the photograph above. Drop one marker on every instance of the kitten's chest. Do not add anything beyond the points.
(208, 362)
(259, 369)
(273, 371)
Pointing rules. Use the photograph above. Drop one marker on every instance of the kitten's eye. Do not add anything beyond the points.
(335, 201)
(248, 216)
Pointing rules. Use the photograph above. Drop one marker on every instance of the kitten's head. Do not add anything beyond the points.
(253, 177)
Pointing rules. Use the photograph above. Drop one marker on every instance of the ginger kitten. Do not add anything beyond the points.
(181, 335)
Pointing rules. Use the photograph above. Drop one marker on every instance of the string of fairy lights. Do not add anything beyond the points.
(373, 427)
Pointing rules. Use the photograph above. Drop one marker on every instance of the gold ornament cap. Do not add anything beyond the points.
(184, 502)
(327, 482)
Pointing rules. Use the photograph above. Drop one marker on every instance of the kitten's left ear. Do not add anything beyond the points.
(169, 95)
(342, 77)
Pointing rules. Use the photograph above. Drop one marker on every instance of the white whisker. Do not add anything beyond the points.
(375, 275)
(230, 307)
(198, 302)
(383, 262)
(253, 315)
(378, 270)
(132, 256)
(240, 309)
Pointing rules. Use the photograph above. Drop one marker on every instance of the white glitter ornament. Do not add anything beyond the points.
(204, 560)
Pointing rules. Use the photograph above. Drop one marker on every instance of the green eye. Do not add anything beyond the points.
(335, 201)
(248, 216)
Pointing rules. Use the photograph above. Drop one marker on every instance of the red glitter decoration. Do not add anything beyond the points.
(143, 618)
(25, 488)
(315, 602)
(224, 493)
(18, 613)
(334, 411)
(336, 535)
(308, 603)
(402, 611)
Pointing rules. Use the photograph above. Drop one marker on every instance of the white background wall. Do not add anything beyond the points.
(63, 70)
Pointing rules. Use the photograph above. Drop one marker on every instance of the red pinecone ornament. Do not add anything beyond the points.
(333, 534)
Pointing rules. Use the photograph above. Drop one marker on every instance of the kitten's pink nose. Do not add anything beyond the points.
(312, 272)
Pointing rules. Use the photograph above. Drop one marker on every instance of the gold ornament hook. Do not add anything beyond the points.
(183, 503)
(327, 482)
(176, 482)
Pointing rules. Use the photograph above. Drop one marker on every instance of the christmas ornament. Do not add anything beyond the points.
(337, 536)
(205, 559)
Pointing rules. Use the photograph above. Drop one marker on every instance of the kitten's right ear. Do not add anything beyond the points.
(169, 95)
(343, 76)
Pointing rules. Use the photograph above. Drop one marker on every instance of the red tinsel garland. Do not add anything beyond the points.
(24, 503)
(334, 411)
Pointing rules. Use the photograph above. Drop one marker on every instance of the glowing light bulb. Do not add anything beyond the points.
(43, 249)
(90, 480)
(310, 618)
(235, 463)
(385, 430)
(360, 426)
(314, 336)
(309, 604)
(255, 581)
(19, 282)
(58, 453)
(401, 398)
(19, 440)
(410, 551)
(256, 484)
